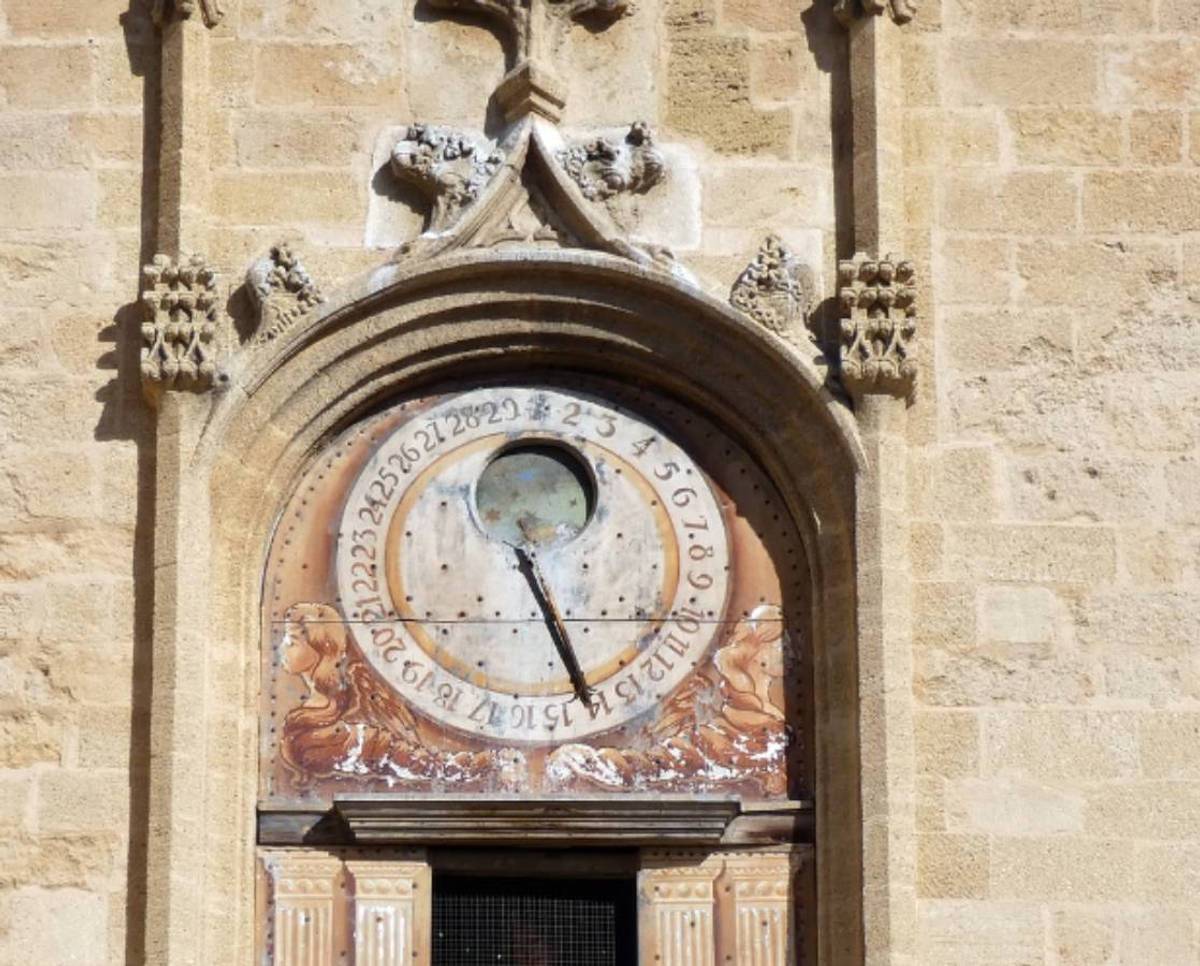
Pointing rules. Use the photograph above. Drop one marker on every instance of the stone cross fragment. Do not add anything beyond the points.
(530, 87)
(527, 21)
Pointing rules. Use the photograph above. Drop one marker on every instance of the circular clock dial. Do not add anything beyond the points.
(531, 564)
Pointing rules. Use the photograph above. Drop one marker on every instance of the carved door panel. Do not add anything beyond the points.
(694, 908)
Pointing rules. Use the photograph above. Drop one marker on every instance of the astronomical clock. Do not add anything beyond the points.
(544, 588)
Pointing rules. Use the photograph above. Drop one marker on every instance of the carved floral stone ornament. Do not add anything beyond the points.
(604, 168)
(179, 299)
(529, 188)
(449, 167)
(282, 291)
(901, 11)
(775, 290)
(879, 325)
(164, 11)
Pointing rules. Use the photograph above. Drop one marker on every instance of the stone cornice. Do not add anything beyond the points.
(468, 820)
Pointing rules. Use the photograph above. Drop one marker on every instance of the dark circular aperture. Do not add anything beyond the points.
(535, 494)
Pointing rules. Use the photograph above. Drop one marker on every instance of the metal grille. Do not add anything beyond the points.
(524, 922)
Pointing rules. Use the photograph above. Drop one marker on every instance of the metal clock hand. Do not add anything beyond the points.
(558, 631)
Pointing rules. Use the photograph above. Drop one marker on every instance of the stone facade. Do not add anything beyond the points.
(1028, 544)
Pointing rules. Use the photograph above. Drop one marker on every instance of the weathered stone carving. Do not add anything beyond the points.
(603, 168)
(529, 222)
(776, 290)
(180, 304)
(901, 11)
(449, 167)
(520, 17)
(879, 325)
(520, 194)
(282, 292)
(164, 11)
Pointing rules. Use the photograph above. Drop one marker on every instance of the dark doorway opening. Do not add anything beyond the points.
(534, 922)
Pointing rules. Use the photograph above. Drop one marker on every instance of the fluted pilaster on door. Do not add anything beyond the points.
(677, 909)
(304, 926)
(392, 912)
(757, 893)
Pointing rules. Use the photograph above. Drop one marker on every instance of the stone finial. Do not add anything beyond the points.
(603, 168)
(282, 292)
(449, 167)
(179, 299)
(164, 11)
(901, 11)
(776, 290)
(879, 325)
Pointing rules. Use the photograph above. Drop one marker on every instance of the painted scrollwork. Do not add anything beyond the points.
(901, 11)
(347, 726)
(727, 723)
(775, 290)
(879, 324)
(731, 722)
(449, 167)
(179, 302)
(604, 167)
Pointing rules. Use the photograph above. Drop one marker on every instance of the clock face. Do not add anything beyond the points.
(533, 588)
(531, 564)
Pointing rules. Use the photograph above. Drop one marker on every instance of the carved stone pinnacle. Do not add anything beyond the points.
(529, 89)
(776, 290)
(901, 11)
(878, 299)
(179, 302)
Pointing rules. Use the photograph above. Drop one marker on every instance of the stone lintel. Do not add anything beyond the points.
(383, 818)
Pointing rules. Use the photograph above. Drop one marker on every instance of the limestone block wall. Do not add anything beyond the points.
(1052, 195)
(73, 79)
(1054, 188)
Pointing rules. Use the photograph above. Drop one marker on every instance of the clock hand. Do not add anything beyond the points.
(558, 631)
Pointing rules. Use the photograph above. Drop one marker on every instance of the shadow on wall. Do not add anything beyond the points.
(125, 417)
(827, 44)
(425, 12)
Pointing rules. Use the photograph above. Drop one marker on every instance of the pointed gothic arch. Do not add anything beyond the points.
(228, 459)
